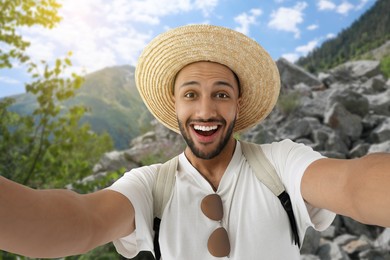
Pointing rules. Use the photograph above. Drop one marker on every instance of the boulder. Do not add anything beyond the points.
(292, 75)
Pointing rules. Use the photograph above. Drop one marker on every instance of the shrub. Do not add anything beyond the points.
(288, 102)
(385, 66)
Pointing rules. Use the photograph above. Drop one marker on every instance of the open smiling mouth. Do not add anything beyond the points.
(205, 130)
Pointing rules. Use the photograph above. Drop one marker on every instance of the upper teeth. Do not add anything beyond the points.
(205, 128)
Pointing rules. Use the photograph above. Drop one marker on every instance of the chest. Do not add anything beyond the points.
(252, 217)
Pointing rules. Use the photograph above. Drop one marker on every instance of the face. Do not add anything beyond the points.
(207, 104)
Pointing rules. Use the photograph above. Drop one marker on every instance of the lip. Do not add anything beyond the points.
(202, 138)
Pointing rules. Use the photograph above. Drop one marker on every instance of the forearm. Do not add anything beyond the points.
(42, 223)
(370, 189)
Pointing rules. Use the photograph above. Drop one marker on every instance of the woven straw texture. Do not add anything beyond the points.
(169, 52)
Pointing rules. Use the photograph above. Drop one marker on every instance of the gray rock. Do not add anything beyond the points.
(329, 233)
(311, 242)
(354, 102)
(340, 119)
(356, 246)
(374, 85)
(381, 147)
(295, 129)
(309, 257)
(292, 74)
(382, 132)
(331, 251)
(383, 241)
(359, 150)
(356, 69)
(380, 103)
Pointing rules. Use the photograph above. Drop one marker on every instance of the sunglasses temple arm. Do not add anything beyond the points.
(286, 203)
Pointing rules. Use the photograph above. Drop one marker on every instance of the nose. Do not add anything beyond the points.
(206, 108)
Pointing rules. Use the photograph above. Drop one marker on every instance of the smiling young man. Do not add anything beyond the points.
(205, 82)
(207, 104)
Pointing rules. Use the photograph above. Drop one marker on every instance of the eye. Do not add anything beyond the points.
(189, 95)
(222, 95)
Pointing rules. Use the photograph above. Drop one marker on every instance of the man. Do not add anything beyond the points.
(206, 82)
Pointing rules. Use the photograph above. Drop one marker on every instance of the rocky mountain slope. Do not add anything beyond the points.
(113, 102)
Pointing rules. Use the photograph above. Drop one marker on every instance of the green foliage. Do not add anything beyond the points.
(288, 102)
(98, 183)
(370, 31)
(18, 13)
(385, 66)
(106, 252)
(113, 104)
(151, 158)
(47, 147)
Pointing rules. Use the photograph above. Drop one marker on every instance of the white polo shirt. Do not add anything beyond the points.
(257, 224)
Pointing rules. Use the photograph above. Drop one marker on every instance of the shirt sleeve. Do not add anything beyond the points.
(290, 160)
(137, 186)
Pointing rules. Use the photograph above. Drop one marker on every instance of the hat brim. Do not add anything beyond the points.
(169, 52)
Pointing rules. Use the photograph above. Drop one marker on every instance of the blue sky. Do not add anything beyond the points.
(103, 33)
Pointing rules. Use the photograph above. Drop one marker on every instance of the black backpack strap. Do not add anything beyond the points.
(156, 244)
(266, 173)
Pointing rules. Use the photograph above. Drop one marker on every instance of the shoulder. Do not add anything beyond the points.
(138, 178)
(290, 159)
(288, 151)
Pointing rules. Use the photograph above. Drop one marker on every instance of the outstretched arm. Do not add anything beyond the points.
(56, 223)
(358, 188)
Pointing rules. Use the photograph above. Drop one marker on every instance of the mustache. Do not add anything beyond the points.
(210, 120)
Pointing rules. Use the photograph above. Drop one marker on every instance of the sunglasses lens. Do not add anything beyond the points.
(211, 206)
(218, 244)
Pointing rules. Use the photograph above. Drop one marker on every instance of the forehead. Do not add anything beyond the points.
(205, 68)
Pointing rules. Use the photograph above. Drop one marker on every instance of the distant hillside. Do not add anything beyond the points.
(113, 101)
(370, 31)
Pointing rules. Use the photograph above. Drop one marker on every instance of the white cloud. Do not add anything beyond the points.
(312, 27)
(304, 49)
(326, 5)
(361, 4)
(206, 6)
(291, 57)
(102, 34)
(301, 51)
(10, 81)
(245, 20)
(145, 11)
(344, 8)
(288, 19)
(40, 49)
(330, 35)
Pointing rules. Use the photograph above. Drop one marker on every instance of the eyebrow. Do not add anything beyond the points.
(193, 82)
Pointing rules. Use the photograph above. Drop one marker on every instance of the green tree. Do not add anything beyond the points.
(368, 32)
(18, 13)
(48, 148)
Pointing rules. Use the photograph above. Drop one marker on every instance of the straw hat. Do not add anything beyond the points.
(169, 52)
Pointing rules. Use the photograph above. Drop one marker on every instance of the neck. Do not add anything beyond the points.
(213, 169)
